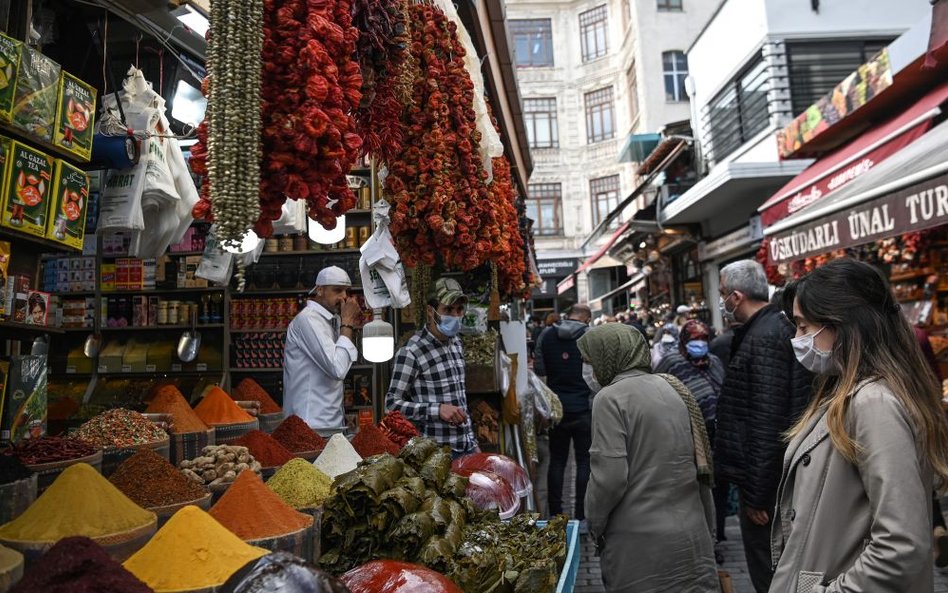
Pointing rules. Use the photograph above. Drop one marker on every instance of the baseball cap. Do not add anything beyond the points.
(448, 291)
(331, 276)
(683, 309)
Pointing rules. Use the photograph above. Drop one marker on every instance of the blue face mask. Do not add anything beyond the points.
(697, 348)
(449, 325)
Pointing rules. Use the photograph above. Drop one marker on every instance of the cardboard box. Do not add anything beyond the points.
(75, 115)
(36, 93)
(67, 218)
(27, 190)
(24, 407)
(107, 277)
(37, 307)
(10, 51)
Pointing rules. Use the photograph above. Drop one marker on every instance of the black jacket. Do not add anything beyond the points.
(765, 390)
(557, 357)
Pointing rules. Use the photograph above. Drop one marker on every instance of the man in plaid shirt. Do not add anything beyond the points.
(428, 379)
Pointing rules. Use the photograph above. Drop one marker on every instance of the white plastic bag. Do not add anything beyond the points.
(475, 320)
(293, 220)
(215, 263)
(120, 203)
(383, 276)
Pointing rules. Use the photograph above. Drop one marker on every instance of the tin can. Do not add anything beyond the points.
(162, 312)
(272, 245)
(364, 232)
(365, 198)
(352, 238)
(286, 243)
(300, 242)
(174, 308)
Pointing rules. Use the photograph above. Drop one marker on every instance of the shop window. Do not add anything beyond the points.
(533, 42)
(600, 115)
(815, 67)
(670, 6)
(675, 70)
(544, 207)
(605, 198)
(594, 32)
(633, 90)
(539, 116)
(739, 111)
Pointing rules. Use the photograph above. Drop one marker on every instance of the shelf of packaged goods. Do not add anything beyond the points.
(310, 252)
(162, 291)
(162, 327)
(44, 145)
(279, 291)
(7, 233)
(8, 328)
(74, 295)
(275, 330)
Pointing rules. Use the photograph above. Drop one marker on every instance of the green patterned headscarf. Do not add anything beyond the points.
(613, 349)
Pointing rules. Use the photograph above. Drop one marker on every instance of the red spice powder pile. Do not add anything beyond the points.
(168, 400)
(253, 511)
(264, 448)
(218, 408)
(371, 441)
(250, 390)
(294, 434)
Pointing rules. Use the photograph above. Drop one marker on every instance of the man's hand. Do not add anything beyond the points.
(351, 313)
(452, 414)
(757, 516)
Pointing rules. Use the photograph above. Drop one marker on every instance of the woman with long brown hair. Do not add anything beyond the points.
(854, 505)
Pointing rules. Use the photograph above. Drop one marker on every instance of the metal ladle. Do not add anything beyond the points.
(190, 342)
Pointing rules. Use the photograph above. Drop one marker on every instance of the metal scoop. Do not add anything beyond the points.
(190, 342)
(92, 345)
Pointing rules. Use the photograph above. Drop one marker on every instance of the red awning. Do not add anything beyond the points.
(848, 162)
(602, 250)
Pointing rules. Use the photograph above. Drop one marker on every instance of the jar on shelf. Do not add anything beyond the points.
(174, 308)
(352, 238)
(300, 242)
(162, 312)
(272, 245)
(364, 233)
(286, 243)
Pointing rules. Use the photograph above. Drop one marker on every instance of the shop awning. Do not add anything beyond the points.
(849, 162)
(638, 147)
(632, 284)
(906, 192)
(598, 260)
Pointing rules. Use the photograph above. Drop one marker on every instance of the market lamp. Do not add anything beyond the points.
(247, 243)
(378, 339)
(324, 236)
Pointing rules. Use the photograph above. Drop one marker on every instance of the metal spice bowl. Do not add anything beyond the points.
(113, 457)
(16, 497)
(46, 473)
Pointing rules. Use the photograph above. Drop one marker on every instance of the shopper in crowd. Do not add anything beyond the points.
(858, 474)
(939, 529)
(558, 363)
(648, 501)
(428, 376)
(720, 345)
(319, 352)
(665, 343)
(765, 390)
(703, 375)
(682, 315)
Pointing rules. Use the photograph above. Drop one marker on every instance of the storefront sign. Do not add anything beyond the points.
(920, 206)
(557, 268)
(731, 242)
(853, 92)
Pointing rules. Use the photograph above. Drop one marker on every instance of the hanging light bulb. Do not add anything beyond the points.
(378, 339)
(321, 235)
(247, 243)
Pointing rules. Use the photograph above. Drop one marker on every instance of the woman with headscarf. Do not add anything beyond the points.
(648, 500)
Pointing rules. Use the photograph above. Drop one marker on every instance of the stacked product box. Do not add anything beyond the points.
(69, 274)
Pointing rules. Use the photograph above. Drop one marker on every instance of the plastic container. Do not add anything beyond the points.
(120, 546)
(46, 473)
(503, 466)
(112, 458)
(226, 434)
(489, 491)
(188, 445)
(16, 497)
(570, 571)
(164, 513)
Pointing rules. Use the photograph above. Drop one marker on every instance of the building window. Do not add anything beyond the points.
(740, 111)
(816, 67)
(543, 207)
(600, 115)
(539, 115)
(533, 42)
(670, 5)
(605, 198)
(593, 32)
(633, 90)
(675, 69)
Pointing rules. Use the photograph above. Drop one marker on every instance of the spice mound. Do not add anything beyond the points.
(79, 502)
(253, 511)
(250, 390)
(264, 448)
(120, 428)
(12, 470)
(50, 450)
(219, 464)
(371, 441)
(191, 551)
(294, 434)
(168, 400)
(218, 408)
(150, 481)
(300, 485)
(78, 565)
(338, 457)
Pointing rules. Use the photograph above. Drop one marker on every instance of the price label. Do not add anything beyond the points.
(202, 367)
(126, 368)
(176, 367)
(71, 369)
(151, 368)
(103, 368)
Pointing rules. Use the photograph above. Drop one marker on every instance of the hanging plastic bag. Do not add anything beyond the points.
(215, 263)
(120, 203)
(475, 320)
(383, 276)
(293, 220)
(541, 402)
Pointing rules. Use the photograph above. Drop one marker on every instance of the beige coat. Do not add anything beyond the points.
(844, 528)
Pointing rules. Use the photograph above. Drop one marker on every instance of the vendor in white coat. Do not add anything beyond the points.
(319, 353)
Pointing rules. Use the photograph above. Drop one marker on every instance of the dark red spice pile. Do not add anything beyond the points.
(151, 481)
(371, 441)
(294, 434)
(50, 449)
(78, 565)
(264, 448)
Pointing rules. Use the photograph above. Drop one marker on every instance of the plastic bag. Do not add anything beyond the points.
(293, 220)
(392, 576)
(120, 203)
(501, 465)
(383, 275)
(215, 263)
(284, 572)
(474, 320)
(489, 491)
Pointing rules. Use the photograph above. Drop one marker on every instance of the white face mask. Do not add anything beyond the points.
(812, 358)
(590, 378)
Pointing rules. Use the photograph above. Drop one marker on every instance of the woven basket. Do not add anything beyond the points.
(188, 445)
(164, 513)
(113, 457)
(10, 575)
(225, 434)
(46, 473)
(270, 422)
(16, 497)
(120, 546)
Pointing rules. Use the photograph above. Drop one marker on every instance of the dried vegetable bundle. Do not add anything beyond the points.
(228, 148)
(509, 248)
